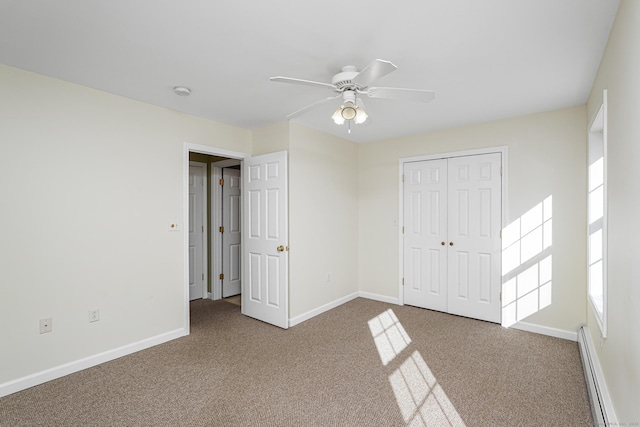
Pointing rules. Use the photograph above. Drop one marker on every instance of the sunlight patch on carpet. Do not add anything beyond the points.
(389, 336)
(421, 400)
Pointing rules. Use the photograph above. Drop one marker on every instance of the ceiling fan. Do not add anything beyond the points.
(349, 84)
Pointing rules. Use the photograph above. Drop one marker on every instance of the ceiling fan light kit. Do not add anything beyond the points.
(349, 82)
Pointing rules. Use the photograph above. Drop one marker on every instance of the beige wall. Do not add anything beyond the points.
(86, 218)
(270, 139)
(619, 73)
(546, 157)
(323, 220)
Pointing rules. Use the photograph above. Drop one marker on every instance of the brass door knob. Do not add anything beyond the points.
(280, 248)
(450, 243)
(442, 243)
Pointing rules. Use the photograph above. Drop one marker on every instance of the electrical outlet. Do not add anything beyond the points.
(94, 315)
(46, 325)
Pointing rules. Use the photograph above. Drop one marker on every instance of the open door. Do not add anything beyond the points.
(265, 267)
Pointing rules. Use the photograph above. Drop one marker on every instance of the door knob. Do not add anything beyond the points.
(450, 243)
(442, 243)
(280, 248)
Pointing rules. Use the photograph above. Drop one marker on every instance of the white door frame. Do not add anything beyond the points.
(216, 223)
(202, 149)
(403, 160)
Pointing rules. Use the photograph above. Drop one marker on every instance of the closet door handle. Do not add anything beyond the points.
(450, 243)
(442, 243)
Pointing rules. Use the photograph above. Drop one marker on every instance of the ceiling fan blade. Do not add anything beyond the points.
(377, 69)
(281, 79)
(417, 95)
(311, 106)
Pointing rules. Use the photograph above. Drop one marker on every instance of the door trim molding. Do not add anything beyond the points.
(216, 239)
(401, 162)
(188, 147)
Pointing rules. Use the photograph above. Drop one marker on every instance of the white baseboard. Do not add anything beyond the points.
(546, 330)
(23, 383)
(313, 313)
(377, 297)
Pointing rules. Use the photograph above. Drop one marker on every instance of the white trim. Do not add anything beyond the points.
(210, 296)
(378, 297)
(41, 377)
(503, 150)
(316, 311)
(216, 239)
(202, 149)
(600, 118)
(546, 330)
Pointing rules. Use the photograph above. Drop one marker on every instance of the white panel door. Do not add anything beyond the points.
(231, 237)
(197, 176)
(265, 284)
(452, 216)
(425, 232)
(475, 200)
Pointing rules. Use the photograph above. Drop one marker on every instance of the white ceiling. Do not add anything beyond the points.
(486, 59)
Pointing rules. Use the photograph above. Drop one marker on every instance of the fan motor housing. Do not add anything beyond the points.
(343, 80)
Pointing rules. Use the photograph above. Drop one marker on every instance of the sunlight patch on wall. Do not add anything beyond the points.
(527, 263)
(389, 335)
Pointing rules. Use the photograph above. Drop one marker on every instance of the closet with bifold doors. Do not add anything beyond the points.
(452, 217)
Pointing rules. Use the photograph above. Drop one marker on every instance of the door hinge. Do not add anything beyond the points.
(221, 276)
(403, 281)
(403, 229)
(402, 178)
(500, 296)
(221, 181)
(202, 276)
(221, 229)
(501, 234)
(203, 228)
(500, 170)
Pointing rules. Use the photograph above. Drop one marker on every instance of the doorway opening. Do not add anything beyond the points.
(206, 219)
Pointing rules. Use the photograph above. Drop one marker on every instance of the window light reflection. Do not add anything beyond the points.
(389, 335)
(526, 263)
(421, 400)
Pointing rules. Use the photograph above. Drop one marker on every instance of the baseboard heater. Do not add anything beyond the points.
(600, 401)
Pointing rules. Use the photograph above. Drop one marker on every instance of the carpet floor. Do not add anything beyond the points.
(365, 363)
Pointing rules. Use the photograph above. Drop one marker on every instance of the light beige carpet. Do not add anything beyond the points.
(236, 299)
(364, 363)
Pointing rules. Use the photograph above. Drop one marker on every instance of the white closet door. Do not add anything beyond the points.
(197, 242)
(231, 248)
(475, 192)
(425, 231)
